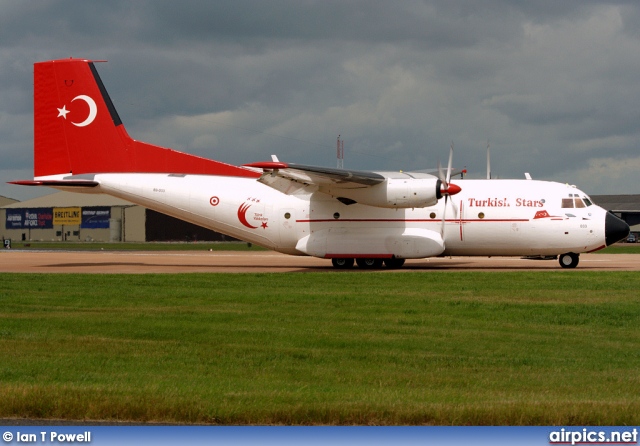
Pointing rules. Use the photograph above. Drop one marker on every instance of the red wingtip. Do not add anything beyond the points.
(268, 165)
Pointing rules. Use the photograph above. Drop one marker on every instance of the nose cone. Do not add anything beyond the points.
(452, 189)
(615, 229)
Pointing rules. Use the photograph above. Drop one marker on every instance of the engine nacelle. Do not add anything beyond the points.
(405, 192)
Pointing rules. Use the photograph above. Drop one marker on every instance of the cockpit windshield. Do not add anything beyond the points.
(575, 202)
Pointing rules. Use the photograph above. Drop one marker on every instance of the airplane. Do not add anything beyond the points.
(369, 218)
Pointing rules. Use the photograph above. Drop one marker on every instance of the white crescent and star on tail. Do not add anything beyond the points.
(93, 111)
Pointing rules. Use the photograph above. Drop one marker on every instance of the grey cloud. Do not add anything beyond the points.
(552, 84)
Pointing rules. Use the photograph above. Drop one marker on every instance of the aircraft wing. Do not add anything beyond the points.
(317, 176)
(380, 189)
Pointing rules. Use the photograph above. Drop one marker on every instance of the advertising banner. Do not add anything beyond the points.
(66, 216)
(95, 218)
(33, 218)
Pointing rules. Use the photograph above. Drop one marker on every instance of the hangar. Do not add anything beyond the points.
(67, 216)
(627, 207)
(5, 201)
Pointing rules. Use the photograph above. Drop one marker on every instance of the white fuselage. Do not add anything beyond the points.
(488, 217)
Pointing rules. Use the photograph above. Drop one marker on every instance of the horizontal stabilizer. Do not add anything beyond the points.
(57, 183)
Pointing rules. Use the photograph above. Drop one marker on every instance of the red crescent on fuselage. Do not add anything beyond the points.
(242, 215)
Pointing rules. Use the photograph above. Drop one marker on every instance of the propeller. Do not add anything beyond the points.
(448, 188)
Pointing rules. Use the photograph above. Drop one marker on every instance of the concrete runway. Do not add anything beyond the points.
(139, 262)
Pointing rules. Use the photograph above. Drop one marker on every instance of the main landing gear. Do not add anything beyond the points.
(569, 260)
(342, 263)
(367, 263)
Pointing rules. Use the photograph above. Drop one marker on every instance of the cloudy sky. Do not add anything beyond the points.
(553, 85)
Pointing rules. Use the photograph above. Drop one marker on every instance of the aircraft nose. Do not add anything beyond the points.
(614, 229)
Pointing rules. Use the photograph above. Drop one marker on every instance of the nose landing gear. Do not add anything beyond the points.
(569, 260)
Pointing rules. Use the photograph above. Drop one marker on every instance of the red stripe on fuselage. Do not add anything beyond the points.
(418, 220)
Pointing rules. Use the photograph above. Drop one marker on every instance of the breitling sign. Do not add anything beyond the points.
(66, 216)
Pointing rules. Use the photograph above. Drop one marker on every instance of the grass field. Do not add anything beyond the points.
(321, 348)
(621, 248)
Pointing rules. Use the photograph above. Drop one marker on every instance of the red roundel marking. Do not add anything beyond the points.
(214, 201)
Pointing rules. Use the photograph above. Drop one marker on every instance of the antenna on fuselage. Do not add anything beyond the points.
(488, 160)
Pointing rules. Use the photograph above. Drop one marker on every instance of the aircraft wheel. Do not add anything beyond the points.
(369, 263)
(342, 263)
(569, 260)
(394, 263)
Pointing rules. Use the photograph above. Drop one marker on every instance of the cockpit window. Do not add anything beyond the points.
(575, 202)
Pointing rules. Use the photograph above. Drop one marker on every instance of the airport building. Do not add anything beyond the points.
(67, 216)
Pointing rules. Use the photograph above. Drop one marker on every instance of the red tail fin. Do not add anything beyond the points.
(78, 131)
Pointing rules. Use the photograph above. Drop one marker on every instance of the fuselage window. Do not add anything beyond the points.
(567, 203)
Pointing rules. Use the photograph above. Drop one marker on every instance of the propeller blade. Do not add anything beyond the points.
(449, 167)
(447, 190)
(444, 215)
(455, 208)
(442, 177)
